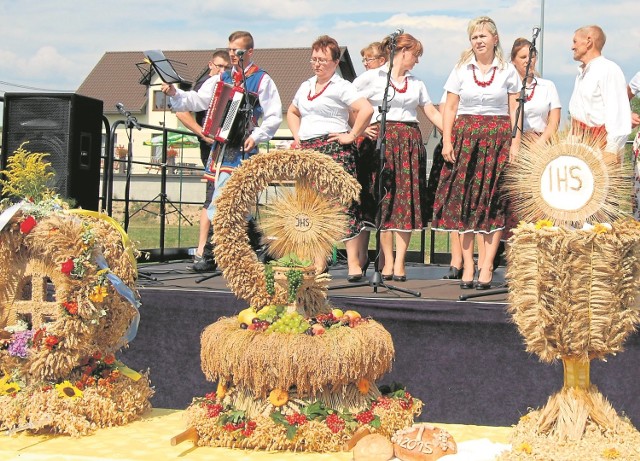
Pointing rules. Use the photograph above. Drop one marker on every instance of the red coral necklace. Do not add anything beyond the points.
(311, 98)
(483, 84)
(533, 90)
(403, 89)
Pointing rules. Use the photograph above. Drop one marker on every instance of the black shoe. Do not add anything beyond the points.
(484, 285)
(386, 277)
(399, 278)
(454, 273)
(467, 285)
(204, 265)
(354, 278)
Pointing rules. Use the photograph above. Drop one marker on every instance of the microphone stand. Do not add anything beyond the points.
(381, 146)
(519, 125)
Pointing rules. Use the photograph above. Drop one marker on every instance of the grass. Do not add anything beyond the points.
(144, 230)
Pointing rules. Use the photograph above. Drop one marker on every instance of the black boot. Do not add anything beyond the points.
(206, 263)
(255, 240)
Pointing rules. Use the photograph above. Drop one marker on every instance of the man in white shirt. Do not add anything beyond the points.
(599, 102)
(269, 109)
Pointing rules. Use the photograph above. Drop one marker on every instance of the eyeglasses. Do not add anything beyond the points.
(230, 50)
(222, 66)
(370, 59)
(320, 61)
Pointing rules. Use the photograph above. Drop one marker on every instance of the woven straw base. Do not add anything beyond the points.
(575, 424)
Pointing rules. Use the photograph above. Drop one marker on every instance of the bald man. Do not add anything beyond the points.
(599, 103)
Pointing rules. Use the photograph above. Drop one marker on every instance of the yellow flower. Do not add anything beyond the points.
(99, 293)
(221, 390)
(611, 453)
(102, 272)
(7, 387)
(68, 390)
(363, 386)
(525, 447)
(278, 397)
(543, 223)
(600, 228)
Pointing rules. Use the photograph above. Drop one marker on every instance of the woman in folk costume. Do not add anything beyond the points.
(479, 112)
(404, 177)
(318, 118)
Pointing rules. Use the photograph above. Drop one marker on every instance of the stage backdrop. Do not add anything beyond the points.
(465, 360)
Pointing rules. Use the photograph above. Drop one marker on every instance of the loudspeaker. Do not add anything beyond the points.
(66, 126)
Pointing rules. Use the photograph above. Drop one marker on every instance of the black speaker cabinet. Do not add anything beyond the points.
(66, 126)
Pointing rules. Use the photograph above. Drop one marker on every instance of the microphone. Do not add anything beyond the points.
(130, 120)
(121, 109)
(393, 35)
(240, 53)
(536, 31)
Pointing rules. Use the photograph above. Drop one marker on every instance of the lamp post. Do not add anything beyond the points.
(541, 60)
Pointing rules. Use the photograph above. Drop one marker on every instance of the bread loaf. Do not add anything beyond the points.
(373, 447)
(423, 442)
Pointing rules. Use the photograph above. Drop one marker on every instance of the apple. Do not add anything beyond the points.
(317, 329)
(337, 313)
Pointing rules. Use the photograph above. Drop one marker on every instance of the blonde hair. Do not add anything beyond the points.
(478, 23)
(376, 49)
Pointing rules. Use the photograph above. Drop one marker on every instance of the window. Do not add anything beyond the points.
(160, 101)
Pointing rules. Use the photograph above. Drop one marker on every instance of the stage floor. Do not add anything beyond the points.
(425, 279)
(149, 439)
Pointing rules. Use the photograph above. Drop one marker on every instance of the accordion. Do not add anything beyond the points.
(224, 120)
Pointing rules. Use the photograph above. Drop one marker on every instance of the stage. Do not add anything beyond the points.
(464, 359)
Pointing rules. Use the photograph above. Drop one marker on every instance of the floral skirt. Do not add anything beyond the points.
(469, 195)
(404, 179)
(345, 155)
(636, 173)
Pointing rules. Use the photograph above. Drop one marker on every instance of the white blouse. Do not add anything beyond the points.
(403, 107)
(536, 111)
(328, 112)
(634, 84)
(492, 99)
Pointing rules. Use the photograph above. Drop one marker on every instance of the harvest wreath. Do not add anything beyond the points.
(66, 306)
(293, 372)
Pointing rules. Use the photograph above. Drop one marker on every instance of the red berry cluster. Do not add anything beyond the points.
(382, 401)
(247, 427)
(335, 423)
(210, 396)
(406, 402)
(213, 410)
(365, 417)
(296, 419)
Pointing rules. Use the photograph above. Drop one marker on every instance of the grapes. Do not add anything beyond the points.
(269, 279)
(294, 281)
(291, 322)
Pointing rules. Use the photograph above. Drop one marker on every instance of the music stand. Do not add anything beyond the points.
(163, 67)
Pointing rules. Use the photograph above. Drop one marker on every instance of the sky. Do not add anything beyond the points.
(52, 45)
